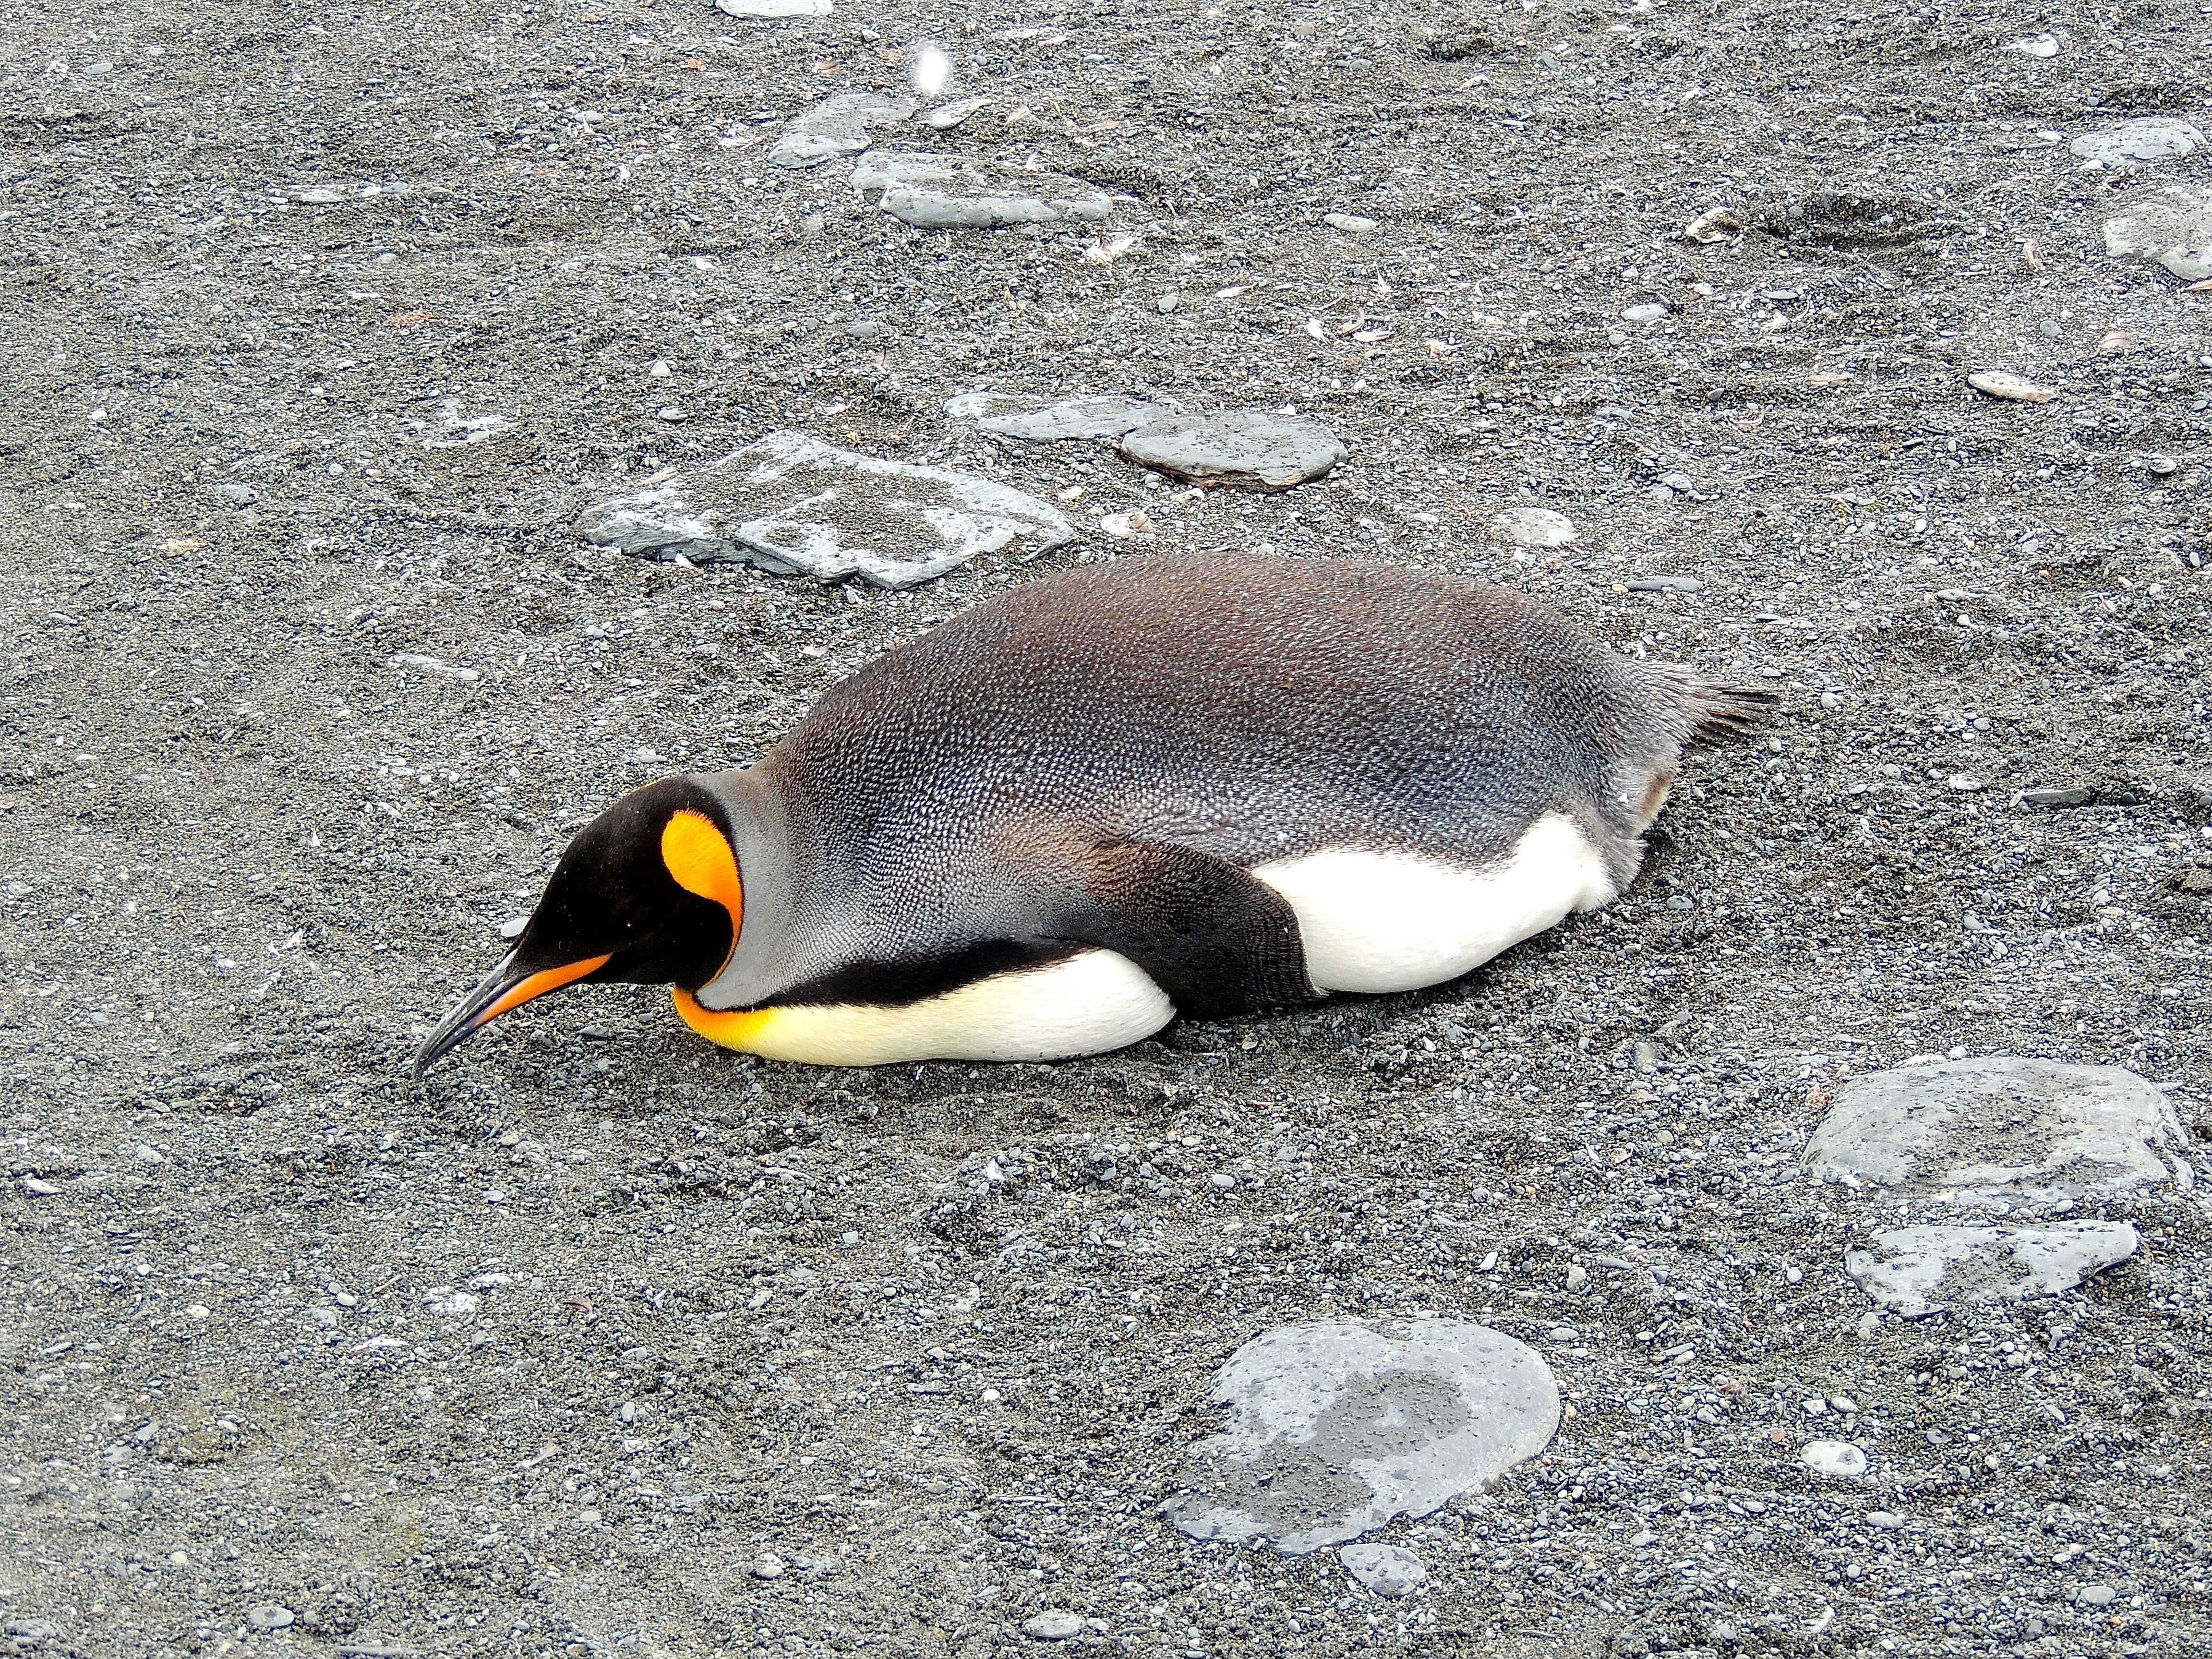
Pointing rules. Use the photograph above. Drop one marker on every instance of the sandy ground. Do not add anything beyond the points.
(544, 1356)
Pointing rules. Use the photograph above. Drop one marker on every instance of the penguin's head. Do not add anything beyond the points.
(649, 894)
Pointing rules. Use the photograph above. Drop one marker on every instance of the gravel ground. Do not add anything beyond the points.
(308, 680)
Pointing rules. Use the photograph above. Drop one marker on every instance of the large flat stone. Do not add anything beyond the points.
(2003, 1133)
(1244, 448)
(946, 193)
(791, 503)
(835, 126)
(2173, 227)
(1916, 1271)
(1335, 1429)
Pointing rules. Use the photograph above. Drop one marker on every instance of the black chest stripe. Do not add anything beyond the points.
(898, 984)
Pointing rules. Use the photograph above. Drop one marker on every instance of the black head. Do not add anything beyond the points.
(649, 894)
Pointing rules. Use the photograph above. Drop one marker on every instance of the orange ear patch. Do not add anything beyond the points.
(699, 858)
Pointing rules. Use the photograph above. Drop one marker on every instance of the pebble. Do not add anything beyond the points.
(1354, 222)
(2013, 388)
(269, 1616)
(837, 125)
(2035, 46)
(1532, 526)
(1383, 1568)
(943, 192)
(2003, 1132)
(1169, 302)
(1644, 314)
(449, 1304)
(2132, 144)
(768, 1566)
(2095, 1595)
(423, 664)
(1053, 1626)
(791, 503)
(773, 7)
(512, 928)
(1837, 1459)
(670, 412)
(39, 1188)
(1245, 448)
(1885, 1521)
(2159, 465)
(1919, 1271)
(2072, 794)
(945, 117)
(1665, 582)
(1336, 1429)
(2173, 227)
(1222, 1180)
(1964, 782)
(35, 1629)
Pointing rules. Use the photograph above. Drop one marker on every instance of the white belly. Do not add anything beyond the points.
(1395, 921)
(1086, 1004)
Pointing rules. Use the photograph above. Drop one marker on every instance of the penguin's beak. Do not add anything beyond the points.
(507, 986)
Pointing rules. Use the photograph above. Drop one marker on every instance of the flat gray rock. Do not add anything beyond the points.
(1337, 1428)
(1532, 526)
(1245, 448)
(2173, 227)
(2004, 1132)
(1836, 1459)
(1384, 1568)
(950, 192)
(1103, 416)
(1916, 1271)
(835, 126)
(2136, 143)
(790, 503)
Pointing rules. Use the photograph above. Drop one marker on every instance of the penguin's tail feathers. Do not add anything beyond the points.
(1715, 714)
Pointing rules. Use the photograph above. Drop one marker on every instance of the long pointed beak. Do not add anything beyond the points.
(497, 992)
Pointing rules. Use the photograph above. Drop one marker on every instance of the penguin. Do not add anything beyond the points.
(1202, 786)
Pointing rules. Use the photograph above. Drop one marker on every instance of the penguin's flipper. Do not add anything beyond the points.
(1216, 940)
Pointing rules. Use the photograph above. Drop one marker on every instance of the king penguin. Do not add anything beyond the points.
(1203, 786)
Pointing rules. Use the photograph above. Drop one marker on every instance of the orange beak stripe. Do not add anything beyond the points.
(539, 984)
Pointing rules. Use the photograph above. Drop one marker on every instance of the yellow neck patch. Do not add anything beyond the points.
(699, 859)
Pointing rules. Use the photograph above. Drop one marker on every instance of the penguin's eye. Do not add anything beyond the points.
(699, 859)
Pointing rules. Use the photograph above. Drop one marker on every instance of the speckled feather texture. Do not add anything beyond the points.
(1247, 706)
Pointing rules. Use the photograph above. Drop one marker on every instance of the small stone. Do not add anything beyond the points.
(670, 412)
(943, 192)
(1054, 1626)
(513, 927)
(1383, 1568)
(1885, 1521)
(2073, 795)
(863, 328)
(35, 1629)
(945, 117)
(773, 7)
(789, 504)
(1169, 302)
(2132, 144)
(2035, 46)
(315, 195)
(1244, 448)
(1337, 1428)
(39, 1188)
(1577, 1276)
(1124, 524)
(2013, 388)
(1835, 1460)
(2095, 1595)
(449, 1304)
(1919, 1271)
(144, 1153)
(1964, 782)
(1646, 313)
(2163, 466)
(2173, 227)
(768, 1566)
(269, 1616)
(1665, 582)
(1355, 223)
(1222, 1180)
(1532, 526)
(836, 126)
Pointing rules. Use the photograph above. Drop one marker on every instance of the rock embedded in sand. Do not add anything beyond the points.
(790, 503)
(2135, 143)
(1917, 1270)
(1532, 526)
(1836, 1459)
(1243, 448)
(1053, 1626)
(835, 126)
(1383, 1568)
(1336, 1429)
(2003, 1133)
(2173, 228)
(950, 192)
(2012, 388)
(1107, 416)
